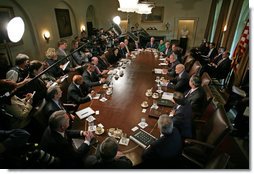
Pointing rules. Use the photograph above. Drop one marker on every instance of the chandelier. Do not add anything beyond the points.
(142, 7)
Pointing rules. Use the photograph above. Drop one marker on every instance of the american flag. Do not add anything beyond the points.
(241, 46)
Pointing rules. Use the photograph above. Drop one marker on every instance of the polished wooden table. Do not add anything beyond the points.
(123, 108)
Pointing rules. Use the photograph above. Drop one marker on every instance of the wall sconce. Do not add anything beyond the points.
(46, 36)
(83, 28)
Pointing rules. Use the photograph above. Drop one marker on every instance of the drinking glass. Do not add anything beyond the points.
(124, 138)
(143, 121)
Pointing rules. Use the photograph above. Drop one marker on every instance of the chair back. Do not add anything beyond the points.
(195, 68)
(38, 114)
(219, 162)
(188, 63)
(216, 128)
(205, 79)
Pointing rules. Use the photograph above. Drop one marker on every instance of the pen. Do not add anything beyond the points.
(84, 113)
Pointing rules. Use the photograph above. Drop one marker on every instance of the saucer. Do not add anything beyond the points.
(144, 106)
(155, 95)
(99, 133)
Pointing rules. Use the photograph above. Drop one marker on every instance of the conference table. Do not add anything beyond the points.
(123, 109)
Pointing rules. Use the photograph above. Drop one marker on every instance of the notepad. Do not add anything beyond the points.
(85, 112)
(167, 96)
(158, 71)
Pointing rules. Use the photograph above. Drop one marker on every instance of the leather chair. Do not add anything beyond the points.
(208, 137)
(38, 116)
(218, 162)
(195, 68)
(205, 79)
(188, 63)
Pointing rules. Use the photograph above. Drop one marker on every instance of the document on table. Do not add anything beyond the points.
(158, 71)
(167, 96)
(85, 112)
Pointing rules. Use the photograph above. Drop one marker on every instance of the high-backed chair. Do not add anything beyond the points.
(208, 137)
(38, 115)
(218, 162)
(195, 68)
(205, 79)
(188, 63)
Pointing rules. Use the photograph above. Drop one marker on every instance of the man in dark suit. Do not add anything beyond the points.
(221, 69)
(152, 44)
(211, 54)
(78, 91)
(90, 77)
(122, 50)
(180, 82)
(57, 140)
(196, 96)
(164, 152)
(108, 157)
(172, 62)
(182, 115)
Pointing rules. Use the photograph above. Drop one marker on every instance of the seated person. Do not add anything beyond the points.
(196, 96)
(20, 110)
(95, 62)
(90, 77)
(78, 91)
(182, 115)
(152, 43)
(57, 140)
(168, 50)
(161, 47)
(79, 59)
(108, 157)
(164, 152)
(172, 62)
(211, 54)
(114, 57)
(180, 82)
(122, 50)
(219, 70)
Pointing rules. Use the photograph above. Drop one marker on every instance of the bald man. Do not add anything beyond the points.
(181, 81)
(78, 91)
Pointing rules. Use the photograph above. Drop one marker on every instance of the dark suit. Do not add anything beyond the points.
(55, 71)
(182, 120)
(222, 69)
(163, 152)
(50, 108)
(154, 45)
(197, 99)
(172, 67)
(91, 79)
(77, 95)
(213, 54)
(180, 84)
(59, 146)
(123, 52)
(97, 163)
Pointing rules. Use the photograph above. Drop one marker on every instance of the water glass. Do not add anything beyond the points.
(124, 138)
(143, 121)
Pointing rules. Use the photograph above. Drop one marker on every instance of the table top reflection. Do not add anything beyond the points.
(123, 108)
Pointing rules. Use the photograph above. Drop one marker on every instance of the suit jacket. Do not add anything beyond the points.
(55, 71)
(91, 79)
(180, 84)
(123, 52)
(213, 54)
(155, 45)
(50, 108)
(222, 69)
(163, 151)
(97, 163)
(197, 99)
(77, 95)
(172, 67)
(62, 147)
(182, 120)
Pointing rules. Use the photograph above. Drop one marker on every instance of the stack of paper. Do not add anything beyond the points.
(167, 96)
(85, 112)
(158, 71)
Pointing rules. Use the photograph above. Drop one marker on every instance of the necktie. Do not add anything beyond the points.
(220, 62)
(188, 93)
